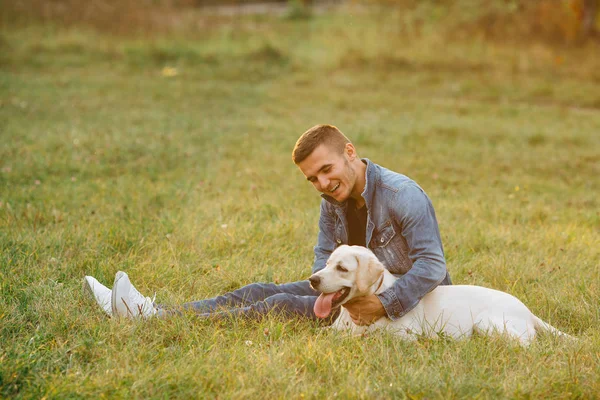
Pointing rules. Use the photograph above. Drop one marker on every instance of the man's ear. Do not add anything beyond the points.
(368, 272)
(350, 151)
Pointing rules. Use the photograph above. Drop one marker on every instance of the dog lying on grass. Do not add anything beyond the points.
(456, 311)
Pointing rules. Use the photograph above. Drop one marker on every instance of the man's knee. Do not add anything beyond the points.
(255, 291)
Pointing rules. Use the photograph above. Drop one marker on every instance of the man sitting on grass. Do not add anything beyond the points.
(363, 204)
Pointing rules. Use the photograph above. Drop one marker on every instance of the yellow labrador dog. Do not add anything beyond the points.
(457, 310)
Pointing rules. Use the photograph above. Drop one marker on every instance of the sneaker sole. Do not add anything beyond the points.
(88, 290)
(113, 294)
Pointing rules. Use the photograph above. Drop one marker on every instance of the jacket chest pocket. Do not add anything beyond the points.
(391, 249)
(339, 236)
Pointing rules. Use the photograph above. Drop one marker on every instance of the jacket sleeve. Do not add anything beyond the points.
(326, 239)
(413, 212)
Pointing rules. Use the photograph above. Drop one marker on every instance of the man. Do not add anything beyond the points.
(363, 204)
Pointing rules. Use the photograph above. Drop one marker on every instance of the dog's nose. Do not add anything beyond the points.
(314, 281)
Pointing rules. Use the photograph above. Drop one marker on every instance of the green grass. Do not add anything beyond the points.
(186, 182)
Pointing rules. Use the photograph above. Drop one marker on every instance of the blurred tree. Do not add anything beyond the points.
(590, 10)
(299, 9)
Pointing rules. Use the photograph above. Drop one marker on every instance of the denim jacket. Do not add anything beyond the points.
(402, 231)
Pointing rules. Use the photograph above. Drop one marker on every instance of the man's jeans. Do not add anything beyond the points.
(259, 299)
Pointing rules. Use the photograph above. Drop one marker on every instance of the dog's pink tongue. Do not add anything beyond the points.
(323, 305)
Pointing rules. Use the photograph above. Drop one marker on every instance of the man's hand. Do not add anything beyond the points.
(365, 310)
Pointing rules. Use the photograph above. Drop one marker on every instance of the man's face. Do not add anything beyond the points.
(330, 172)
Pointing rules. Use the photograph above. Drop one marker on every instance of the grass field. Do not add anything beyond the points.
(169, 156)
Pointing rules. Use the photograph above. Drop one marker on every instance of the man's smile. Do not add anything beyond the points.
(335, 187)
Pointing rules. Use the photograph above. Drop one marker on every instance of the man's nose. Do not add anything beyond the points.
(324, 183)
(315, 281)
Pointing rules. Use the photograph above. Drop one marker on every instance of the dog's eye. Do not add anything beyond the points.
(340, 268)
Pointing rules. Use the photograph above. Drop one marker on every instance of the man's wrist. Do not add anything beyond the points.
(391, 305)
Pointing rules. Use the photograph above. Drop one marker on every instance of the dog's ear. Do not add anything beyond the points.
(368, 272)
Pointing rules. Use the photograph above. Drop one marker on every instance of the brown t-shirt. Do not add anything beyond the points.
(357, 224)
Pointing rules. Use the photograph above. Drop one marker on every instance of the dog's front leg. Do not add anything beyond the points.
(344, 323)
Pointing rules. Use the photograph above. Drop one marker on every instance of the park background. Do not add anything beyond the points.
(155, 137)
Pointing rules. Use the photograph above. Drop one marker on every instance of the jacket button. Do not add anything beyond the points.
(381, 240)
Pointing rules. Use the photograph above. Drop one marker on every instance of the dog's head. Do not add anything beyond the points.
(351, 271)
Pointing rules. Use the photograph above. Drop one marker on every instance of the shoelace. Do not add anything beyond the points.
(149, 304)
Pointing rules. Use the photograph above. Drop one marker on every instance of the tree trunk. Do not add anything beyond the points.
(590, 9)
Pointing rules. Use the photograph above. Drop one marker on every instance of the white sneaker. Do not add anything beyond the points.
(127, 301)
(99, 292)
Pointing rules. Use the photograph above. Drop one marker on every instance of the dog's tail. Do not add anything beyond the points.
(539, 324)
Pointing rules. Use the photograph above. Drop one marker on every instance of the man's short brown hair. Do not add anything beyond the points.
(329, 135)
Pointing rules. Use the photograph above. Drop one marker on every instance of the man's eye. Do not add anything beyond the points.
(341, 269)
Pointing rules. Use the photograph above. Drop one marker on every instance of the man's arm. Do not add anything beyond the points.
(415, 215)
(326, 239)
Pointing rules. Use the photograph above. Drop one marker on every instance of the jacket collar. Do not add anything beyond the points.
(370, 179)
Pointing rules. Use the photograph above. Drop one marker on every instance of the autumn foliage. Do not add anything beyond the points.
(563, 21)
